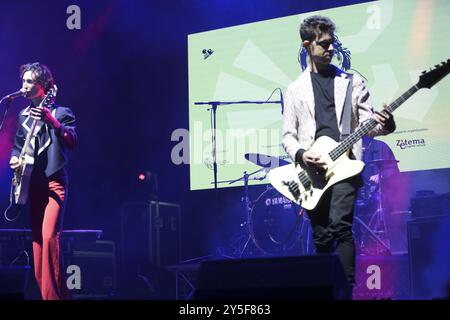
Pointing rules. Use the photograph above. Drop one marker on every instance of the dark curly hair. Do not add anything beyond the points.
(313, 27)
(42, 73)
(316, 25)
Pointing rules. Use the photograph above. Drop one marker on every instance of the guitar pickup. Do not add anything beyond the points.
(293, 188)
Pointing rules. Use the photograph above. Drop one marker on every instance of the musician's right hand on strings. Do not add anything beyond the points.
(311, 158)
(14, 163)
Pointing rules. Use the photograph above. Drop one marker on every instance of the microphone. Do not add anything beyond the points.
(16, 94)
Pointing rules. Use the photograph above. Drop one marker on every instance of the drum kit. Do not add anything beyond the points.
(273, 225)
(276, 226)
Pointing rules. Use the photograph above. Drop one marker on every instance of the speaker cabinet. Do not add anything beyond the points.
(151, 234)
(284, 278)
(97, 264)
(429, 257)
(150, 242)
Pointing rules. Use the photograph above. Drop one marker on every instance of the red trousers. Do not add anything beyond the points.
(47, 198)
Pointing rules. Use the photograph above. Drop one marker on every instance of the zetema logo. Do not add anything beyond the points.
(413, 143)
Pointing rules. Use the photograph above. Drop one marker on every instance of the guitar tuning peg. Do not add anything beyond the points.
(436, 66)
(424, 71)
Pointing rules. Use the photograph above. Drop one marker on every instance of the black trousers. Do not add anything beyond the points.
(332, 222)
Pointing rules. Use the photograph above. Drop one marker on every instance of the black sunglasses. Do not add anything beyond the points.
(325, 43)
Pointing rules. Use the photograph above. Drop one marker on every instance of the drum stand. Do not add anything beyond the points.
(306, 224)
(248, 211)
(376, 226)
(246, 233)
(373, 234)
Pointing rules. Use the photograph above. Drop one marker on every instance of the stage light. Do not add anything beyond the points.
(148, 181)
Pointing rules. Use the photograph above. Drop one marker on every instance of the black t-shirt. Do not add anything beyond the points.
(40, 160)
(325, 110)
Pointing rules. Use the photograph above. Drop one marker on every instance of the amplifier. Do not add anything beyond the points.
(430, 205)
(96, 262)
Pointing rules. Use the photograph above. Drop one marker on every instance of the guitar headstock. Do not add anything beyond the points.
(50, 97)
(429, 78)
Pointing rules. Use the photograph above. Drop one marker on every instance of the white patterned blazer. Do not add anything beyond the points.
(299, 124)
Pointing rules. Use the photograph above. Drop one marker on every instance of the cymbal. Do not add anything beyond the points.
(383, 161)
(265, 161)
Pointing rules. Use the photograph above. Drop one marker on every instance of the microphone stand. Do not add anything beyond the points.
(8, 104)
(214, 105)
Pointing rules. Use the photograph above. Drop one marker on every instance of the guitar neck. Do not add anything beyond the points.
(46, 101)
(368, 125)
(28, 138)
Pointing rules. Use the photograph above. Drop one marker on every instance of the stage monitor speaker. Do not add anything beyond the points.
(13, 282)
(429, 258)
(318, 277)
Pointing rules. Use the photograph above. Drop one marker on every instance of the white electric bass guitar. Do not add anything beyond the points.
(22, 175)
(305, 186)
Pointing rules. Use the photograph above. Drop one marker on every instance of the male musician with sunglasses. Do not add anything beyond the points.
(49, 182)
(313, 108)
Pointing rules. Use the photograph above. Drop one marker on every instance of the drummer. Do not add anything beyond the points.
(377, 156)
(378, 150)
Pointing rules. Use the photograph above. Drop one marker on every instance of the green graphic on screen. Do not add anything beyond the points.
(391, 43)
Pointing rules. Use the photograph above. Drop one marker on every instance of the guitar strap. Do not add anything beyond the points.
(28, 126)
(44, 135)
(347, 109)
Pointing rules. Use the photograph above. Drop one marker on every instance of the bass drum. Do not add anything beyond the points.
(278, 226)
